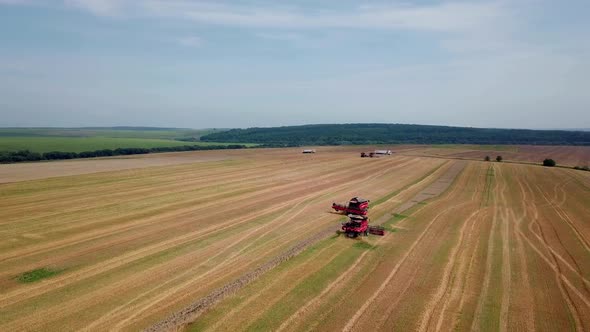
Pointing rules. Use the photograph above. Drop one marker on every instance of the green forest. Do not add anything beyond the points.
(346, 134)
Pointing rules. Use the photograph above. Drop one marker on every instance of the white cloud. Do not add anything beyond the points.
(101, 7)
(16, 2)
(447, 16)
(190, 41)
(451, 16)
(289, 36)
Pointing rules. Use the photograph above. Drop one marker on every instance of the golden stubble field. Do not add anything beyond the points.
(470, 245)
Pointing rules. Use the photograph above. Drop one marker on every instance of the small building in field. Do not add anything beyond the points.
(309, 151)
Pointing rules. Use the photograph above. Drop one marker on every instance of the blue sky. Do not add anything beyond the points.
(181, 63)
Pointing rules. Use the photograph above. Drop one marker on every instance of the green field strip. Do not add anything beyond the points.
(37, 274)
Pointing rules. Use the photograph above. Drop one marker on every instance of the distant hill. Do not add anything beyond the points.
(344, 134)
(183, 134)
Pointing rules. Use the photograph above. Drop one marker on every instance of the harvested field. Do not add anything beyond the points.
(33, 171)
(244, 240)
(563, 155)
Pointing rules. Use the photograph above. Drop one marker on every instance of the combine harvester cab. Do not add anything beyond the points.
(356, 205)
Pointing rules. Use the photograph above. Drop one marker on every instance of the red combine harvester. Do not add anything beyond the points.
(356, 205)
(359, 225)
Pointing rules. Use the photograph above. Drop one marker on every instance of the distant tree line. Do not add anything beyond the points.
(26, 155)
(351, 134)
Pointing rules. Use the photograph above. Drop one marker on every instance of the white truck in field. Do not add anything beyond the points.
(383, 152)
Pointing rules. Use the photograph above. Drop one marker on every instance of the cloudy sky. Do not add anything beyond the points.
(242, 63)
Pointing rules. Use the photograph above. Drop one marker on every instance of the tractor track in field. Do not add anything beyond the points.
(442, 184)
(454, 273)
(119, 261)
(565, 217)
(311, 304)
(447, 279)
(501, 227)
(400, 209)
(461, 275)
(385, 316)
(462, 297)
(352, 322)
(191, 312)
(523, 281)
(314, 302)
(414, 270)
(561, 280)
(550, 250)
(487, 274)
(284, 289)
(525, 284)
(506, 264)
(137, 309)
(540, 235)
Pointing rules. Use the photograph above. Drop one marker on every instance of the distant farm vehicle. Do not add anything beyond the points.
(383, 152)
(356, 205)
(367, 155)
(308, 151)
